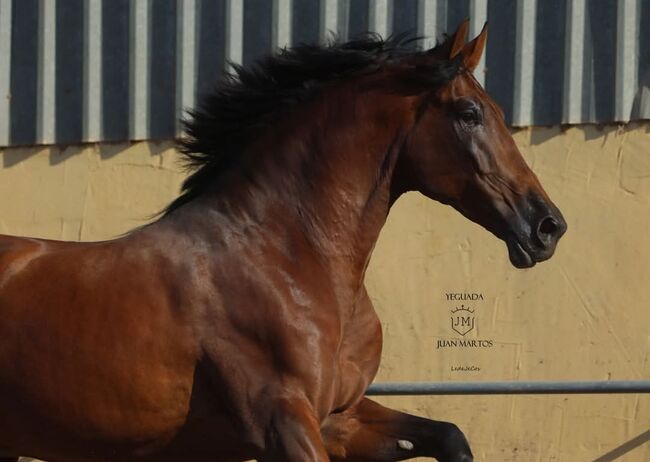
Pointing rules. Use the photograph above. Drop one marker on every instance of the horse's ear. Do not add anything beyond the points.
(460, 36)
(473, 51)
(454, 44)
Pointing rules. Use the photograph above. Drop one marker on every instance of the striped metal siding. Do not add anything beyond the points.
(91, 70)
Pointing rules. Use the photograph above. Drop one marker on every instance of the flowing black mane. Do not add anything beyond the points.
(219, 129)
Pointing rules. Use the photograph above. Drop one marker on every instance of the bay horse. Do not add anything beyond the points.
(236, 325)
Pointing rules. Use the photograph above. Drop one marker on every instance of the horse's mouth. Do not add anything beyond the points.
(519, 256)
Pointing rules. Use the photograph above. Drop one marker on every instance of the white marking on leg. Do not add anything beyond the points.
(405, 444)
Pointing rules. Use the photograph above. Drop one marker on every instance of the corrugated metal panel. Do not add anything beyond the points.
(139, 68)
(573, 62)
(69, 71)
(5, 70)
(187, 28)
(115, 70)
(92, 70)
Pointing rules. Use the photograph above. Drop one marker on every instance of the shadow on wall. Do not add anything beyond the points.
(110, 150)
(541, 135)
(11, 157)
(60, 153)
(57, 154)
(641, 106)
(625, 447)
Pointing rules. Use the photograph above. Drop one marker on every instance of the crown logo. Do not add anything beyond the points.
(462, 308)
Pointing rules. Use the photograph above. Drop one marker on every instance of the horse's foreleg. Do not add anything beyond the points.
(294, 434)
(370, 432)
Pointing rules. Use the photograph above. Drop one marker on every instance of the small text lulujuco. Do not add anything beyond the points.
(465, 369)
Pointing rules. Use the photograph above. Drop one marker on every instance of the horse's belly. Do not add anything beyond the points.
(202, 440)
(56, 399)
(201, 434)
(144, 411)
(34, 424)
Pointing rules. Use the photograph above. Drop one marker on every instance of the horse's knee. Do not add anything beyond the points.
(293, 432)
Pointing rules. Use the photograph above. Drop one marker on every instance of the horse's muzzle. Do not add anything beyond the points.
(534, 234)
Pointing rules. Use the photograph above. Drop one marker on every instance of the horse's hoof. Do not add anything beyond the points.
(456, 446)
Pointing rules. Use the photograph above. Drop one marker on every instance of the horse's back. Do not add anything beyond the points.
(23, 263)
(13, 251)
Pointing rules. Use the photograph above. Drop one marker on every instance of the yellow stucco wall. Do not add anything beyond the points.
(584, 315)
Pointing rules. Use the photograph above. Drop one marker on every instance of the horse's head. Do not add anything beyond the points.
(461, 153)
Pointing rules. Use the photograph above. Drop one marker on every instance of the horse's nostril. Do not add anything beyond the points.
(548, 226)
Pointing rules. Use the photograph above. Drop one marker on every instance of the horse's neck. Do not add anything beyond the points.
(329, 184)
(341, 191)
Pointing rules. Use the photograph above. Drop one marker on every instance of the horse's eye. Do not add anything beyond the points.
(469, 117)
